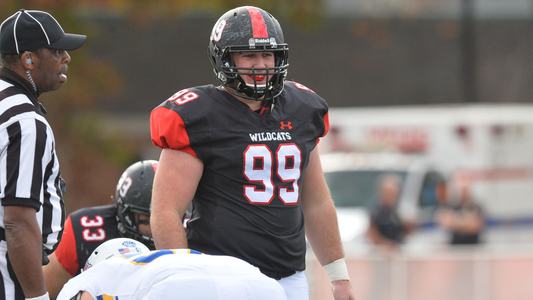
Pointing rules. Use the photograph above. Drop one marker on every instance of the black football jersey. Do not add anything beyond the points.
(247, 204)
(86, 229)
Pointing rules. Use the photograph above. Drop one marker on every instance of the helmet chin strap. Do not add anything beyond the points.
(261, 86)
(254, 91)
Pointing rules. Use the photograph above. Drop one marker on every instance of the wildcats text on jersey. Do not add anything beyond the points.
(270, 136)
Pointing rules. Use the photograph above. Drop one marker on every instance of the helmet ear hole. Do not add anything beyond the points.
(133, 197)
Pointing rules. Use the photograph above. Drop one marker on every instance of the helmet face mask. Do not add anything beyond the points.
(133, 199)
(248, 29)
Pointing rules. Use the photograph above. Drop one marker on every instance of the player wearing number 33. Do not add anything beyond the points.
(87, 228)
(246, 152)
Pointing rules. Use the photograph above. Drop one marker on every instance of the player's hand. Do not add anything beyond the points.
(342, 290)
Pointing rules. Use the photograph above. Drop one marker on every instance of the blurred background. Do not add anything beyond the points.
(433, 91)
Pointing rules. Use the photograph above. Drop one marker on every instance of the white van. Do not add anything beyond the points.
(490, 144)
(353, 180)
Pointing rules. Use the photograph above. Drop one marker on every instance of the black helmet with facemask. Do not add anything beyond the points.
(133, 198)
(248, 29)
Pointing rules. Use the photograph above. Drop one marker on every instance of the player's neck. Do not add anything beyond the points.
(253, 104)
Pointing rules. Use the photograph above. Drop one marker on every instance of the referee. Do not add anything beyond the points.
(34, 58)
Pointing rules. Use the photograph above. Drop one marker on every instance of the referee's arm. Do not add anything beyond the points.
(24, 244)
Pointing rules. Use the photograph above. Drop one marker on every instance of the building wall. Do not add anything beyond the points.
(348, 61)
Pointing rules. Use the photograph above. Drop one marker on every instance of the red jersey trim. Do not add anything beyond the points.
(258, 23)
(168, 130)
(326, 128)
(66, 253)
(326, 124)
(154, 165)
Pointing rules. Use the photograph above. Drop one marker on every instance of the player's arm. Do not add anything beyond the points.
(321, 224)
(25, 248)
(175, 182)
(55, 276)
(63, 263)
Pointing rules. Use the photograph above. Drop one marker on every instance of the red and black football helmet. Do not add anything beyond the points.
(133, 198)
(248, 29)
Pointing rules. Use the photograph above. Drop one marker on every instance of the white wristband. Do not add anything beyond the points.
(42, 297)
(337, 270)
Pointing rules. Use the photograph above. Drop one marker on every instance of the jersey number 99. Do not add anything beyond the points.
(259, 167)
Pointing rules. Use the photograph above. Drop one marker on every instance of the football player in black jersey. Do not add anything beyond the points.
(246, 152)
(87, 228)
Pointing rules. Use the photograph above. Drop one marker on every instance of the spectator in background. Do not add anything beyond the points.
(386, 231)
(463, 218)
(386, 227)
(441, 192)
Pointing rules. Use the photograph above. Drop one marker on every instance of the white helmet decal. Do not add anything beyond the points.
(112, 248)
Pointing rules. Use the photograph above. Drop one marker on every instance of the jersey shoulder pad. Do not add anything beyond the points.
(191, 98)
(299, 97)
(186, 113)
(297, 92)
(105, 211)
(96, 218)
(299, 86)
(304, 104)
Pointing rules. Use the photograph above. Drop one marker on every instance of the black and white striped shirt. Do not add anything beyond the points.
(29, 168)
